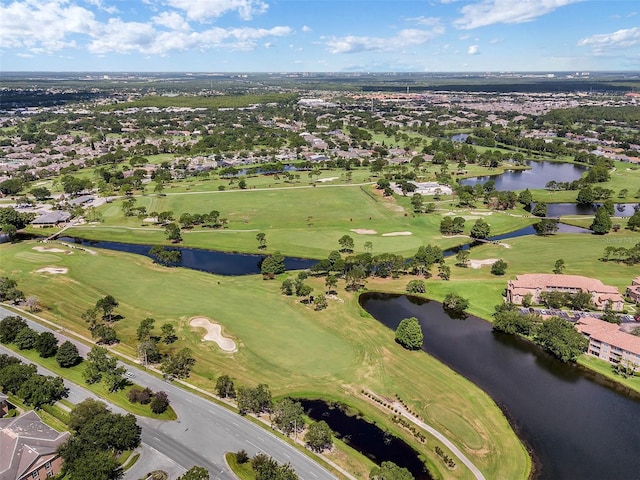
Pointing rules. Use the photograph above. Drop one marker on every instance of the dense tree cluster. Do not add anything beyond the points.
(97, 436)
(23, 381)
(556, 335)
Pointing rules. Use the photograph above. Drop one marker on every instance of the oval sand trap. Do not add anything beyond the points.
(53, 270)
(214, 334)
(396, 234)
(480, 263)
(363, 231)
(52, 250)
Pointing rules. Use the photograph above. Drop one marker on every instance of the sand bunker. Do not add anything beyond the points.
(396, 234)
(328, 179)
(214, 334)
(363, 231)
(53, 270)
(480, 263)
(53, 250)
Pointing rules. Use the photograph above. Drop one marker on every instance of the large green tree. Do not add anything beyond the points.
(409, 334)
(602, 222)
(68, 355)
(273, 264)
(10, 327)
(288, 416)
(9, 291)
(560, 338)
(390, 471)
(319, 436)
(480, 229)
(46, 344)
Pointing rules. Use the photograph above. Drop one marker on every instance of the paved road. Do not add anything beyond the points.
(204, 430)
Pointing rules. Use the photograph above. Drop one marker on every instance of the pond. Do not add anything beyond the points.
(537, 177)
(220, 263)
(563, 209)
(579, 425)
(367, 438)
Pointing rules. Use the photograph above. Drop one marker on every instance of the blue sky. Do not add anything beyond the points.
(319, 35)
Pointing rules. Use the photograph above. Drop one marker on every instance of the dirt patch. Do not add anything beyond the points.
(396, 234)
(214, 334)
(52, 250)
(363, 231)
(53, 270)
(480, 263)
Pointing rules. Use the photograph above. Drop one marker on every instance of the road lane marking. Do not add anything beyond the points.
(251, 443)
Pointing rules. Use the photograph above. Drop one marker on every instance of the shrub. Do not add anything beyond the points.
(416, 286)
(159, 403)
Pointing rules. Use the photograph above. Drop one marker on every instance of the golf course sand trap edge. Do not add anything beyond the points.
(214, 334)
(396, 234)
(51, 250)
(363, 231)
(480, 263)
(53, 270)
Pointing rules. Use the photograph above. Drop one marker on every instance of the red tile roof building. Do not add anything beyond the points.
(535, 283)
(633, 292)
(28, 448)
(608, 342)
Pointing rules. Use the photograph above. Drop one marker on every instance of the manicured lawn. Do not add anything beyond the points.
(242, 471)
(301, 222)
(283, 343)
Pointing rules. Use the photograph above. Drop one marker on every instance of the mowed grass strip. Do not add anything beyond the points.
(282, 342)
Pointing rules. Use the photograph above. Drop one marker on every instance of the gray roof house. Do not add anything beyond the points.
(28, 448)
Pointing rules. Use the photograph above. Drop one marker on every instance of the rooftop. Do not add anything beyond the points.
(545, 280)
(609, 333)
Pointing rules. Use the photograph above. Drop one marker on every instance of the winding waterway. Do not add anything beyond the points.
(211, 261)
(578, 425)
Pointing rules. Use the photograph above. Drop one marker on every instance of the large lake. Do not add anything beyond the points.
(579, 427)
(537, 177)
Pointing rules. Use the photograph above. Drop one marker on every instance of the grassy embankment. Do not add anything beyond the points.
(332, 354)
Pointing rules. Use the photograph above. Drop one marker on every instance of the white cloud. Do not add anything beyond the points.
(495, 41)
(172, 21)
(404, 38)
(42, 26)
(306, 28)
(98, 3)
(625, 38)
(128, 37)
(426, 21)
(488, 12)
(204, 10)
(473, 50)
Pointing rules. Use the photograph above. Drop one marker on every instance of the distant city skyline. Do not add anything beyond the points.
(319, 35)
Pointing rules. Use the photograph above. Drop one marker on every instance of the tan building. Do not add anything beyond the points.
(28, 448)
(536, 283)
(608, 342)
(633, 292)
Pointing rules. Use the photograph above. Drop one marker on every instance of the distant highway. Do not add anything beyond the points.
(204, 431)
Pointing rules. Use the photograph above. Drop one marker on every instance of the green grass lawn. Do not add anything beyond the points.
(283, 343)
(301, 222)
